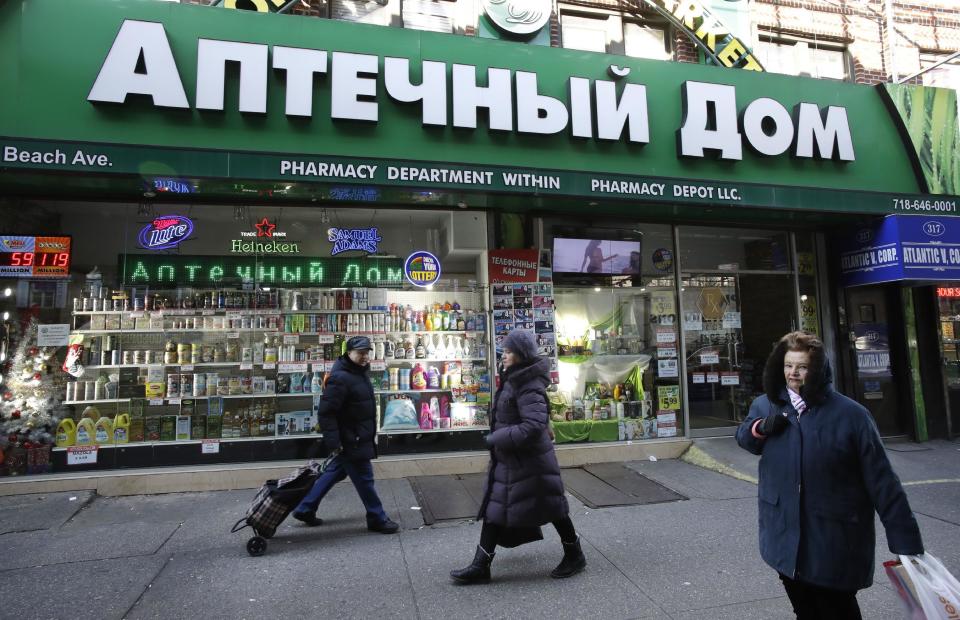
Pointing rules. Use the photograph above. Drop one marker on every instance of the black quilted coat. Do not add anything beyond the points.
(523, 487)
(348, 412)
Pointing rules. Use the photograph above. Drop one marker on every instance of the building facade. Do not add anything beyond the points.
(238, 193)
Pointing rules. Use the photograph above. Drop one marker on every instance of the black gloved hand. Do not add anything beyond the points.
(773, 424)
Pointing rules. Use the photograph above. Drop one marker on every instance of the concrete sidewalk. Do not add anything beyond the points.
(80, 555)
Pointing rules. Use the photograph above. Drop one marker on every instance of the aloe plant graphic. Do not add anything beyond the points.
(928, 118)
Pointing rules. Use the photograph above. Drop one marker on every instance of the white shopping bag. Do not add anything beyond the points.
(937, 591)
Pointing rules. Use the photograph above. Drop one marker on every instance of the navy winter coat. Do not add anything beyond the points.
(348, 411)
(821, 480)
(523, 487)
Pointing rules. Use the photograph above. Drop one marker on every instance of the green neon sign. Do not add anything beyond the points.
(282, 271)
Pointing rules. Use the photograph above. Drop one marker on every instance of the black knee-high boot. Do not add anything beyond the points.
(478, 571)
(573, 560)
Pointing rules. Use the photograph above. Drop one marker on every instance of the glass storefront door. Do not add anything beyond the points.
(738, 298)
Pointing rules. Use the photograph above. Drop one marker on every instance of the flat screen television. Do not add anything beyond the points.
(596, 256)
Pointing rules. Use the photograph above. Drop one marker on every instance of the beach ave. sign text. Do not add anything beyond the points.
(141, 62)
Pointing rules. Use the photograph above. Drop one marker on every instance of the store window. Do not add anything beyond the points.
(219, 323)
(617, 333)
(810, 310)
(738, 299)
(432, 15)
(645, 41)
(945, 75)
(803, 58)
(584, 33)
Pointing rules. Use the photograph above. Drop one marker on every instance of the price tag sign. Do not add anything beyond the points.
(136, 315)
(208, 312)
(729, 378)
(378, 365)
(709, 358)
(246, 366)
(288, 367)
(291, 339)
(713, 377)
(174, 401)
(269, 366)
(699, 377)
(186, 368)
(325, 338)
(233, 334)
(666, 336)
(234, 315)
(155, 402)
(666, 352)
(378, 338)
(731, 320)
(210, 446)
(82, 455)
(318, 367)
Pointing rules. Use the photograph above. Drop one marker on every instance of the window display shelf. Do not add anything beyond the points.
(431, 431)
(218, 311)
(177, 400)
(424, 391)
(178, 330)
(182, 442)
(431, 359)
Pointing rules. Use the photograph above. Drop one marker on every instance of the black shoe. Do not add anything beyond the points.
(478, 571)
(308, 518)
(386, 527)
(573, 561)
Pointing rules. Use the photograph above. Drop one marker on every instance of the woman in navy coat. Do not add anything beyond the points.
(524, 489)
(823, 473)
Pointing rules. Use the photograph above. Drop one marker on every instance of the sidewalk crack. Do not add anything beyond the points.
(625, 576)
(149, 585)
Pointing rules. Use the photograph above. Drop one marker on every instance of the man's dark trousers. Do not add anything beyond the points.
(360, 473)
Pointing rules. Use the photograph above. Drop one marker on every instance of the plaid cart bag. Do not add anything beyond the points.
(275, 500)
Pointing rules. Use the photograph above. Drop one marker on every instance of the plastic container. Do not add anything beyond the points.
(85, 432)
(66, 433)
(121, 428)
(103, 431)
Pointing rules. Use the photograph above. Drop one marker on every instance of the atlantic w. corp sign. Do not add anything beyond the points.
(458, 95)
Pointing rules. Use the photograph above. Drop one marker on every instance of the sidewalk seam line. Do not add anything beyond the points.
(149, 584)
(625, 576)
(403, 552)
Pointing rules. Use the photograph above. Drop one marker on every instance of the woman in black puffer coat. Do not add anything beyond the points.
(524, 489)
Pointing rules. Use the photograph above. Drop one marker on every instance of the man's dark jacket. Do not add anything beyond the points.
(348, 411)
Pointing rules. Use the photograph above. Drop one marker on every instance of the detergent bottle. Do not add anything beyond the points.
(103, 431)
(121, 428)
(85, 432)
(418, 379)
(66, 433)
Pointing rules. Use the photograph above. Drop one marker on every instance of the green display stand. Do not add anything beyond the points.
(586, 430)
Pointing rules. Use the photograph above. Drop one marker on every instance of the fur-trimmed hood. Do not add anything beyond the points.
(819, 377)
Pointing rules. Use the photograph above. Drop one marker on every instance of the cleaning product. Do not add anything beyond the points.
(103, 431)
(121, 428)
(66, 433)
(433, 378)
(426, 422)
(418, 379)
(85, 432)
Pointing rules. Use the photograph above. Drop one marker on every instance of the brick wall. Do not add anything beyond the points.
(932, 26)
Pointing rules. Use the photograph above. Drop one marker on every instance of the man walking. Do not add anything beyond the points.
(348, 418)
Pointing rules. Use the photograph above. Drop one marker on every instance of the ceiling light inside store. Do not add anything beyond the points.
(6, 316)
(462, 204)
(803, 298)
(7, 292)
(596, 289)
